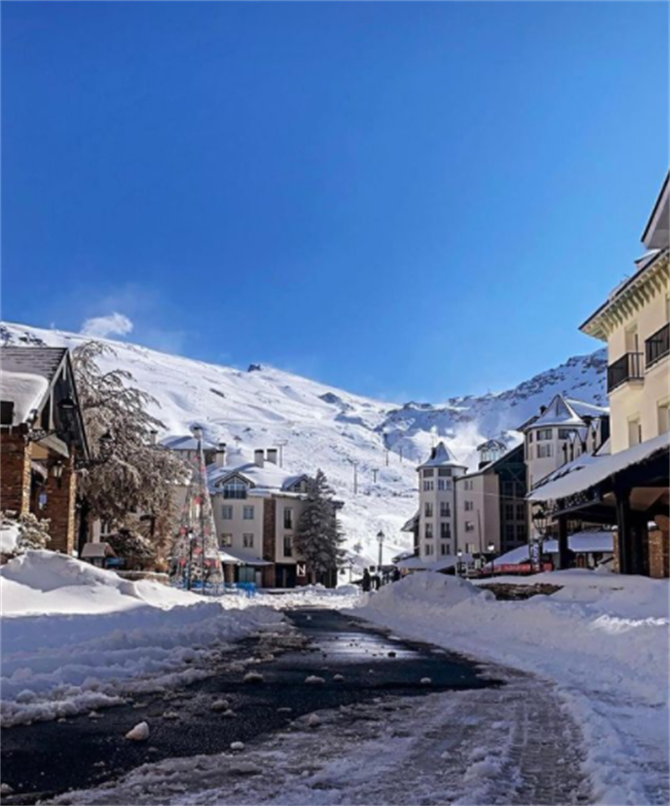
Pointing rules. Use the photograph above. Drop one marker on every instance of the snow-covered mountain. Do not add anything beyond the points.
(318, 425)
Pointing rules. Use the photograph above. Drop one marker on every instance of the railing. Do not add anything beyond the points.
(626, 368)
(658, 345)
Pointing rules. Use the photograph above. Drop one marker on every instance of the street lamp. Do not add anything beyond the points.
(380, 540)
(459, 563)
(541, 523)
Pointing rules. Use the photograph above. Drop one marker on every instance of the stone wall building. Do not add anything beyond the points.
(42, 438)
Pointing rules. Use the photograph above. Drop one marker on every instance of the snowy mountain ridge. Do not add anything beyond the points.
(356, 440)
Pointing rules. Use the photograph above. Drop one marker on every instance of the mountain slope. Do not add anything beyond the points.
(343, 433)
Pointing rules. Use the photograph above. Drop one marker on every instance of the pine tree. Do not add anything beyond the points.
(319, 538)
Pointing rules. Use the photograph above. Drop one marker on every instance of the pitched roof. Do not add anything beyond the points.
(186, 442)
(441, 456)
(268, 477)
(565, 411)
(42, 361)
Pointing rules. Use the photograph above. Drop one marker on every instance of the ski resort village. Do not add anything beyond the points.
(226, 582)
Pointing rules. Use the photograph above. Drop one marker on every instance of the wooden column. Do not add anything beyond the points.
(625, 532)
(563, 552)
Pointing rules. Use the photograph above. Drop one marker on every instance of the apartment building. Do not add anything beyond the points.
(626, 482)
(257, 507)
(436, 521)
(492, 514)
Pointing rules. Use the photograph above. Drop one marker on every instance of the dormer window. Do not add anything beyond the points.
(235, 488)
(544, 434)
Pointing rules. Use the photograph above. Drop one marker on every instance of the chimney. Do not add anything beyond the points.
(272, 455)
(259, 457)
(220, 457)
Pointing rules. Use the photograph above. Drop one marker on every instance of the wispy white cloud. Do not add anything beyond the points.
(114, 324)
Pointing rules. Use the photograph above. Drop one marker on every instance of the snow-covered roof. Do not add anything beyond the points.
(186, 442)
(410, 525)
(238, 557)
(566, 412)
(579, 543)
(270, 476)
(25, 390)
(587, 470)
(441, 456)
(492, 445)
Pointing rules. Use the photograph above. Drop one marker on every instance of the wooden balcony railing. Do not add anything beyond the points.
(627, 368)
(658, 345)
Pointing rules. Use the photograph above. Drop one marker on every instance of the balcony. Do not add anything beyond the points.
(658, 345)
(625, 369)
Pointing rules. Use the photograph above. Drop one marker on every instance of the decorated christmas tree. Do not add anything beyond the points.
(195, 558)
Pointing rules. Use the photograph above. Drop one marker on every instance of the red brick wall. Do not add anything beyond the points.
(269, 541)
(659, 553)
(15, 456)
(60, 509)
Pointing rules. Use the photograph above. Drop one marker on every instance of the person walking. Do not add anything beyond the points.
(367, 581)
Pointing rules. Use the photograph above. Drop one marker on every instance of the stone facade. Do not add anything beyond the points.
(15, 458)
(659, 551)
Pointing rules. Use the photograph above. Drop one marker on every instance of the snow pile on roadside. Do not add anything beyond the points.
(312, 596)
(76, 638)
(603, 638)
(41, 582)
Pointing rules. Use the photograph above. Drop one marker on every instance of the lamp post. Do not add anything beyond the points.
(380, 540)
(459, 562)
(540, 521)
(491, 550)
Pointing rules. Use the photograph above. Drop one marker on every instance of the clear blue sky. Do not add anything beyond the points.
(410, 200)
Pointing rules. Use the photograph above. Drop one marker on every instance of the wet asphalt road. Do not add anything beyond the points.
(48, 758)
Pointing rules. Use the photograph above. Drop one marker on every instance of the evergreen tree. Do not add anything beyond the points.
(318, 538)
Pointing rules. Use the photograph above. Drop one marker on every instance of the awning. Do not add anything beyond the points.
(586, 471)
(235, 557)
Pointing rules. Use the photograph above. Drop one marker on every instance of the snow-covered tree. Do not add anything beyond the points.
(318, 537)
(137, 475)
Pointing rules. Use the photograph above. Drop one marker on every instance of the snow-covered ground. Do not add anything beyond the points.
(333, 429)
(76, 638)
(602, 640)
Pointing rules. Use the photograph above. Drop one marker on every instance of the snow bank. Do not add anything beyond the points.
(75, 637)
(603, 638)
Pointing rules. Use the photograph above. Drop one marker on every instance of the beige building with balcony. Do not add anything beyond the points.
(626, 482)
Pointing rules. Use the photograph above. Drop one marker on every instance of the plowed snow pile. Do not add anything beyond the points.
(603, 638)
(75, 638)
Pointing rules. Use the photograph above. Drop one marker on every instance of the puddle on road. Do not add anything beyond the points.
(356, 662)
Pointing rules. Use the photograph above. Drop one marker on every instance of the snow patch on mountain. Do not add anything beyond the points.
(346, 435)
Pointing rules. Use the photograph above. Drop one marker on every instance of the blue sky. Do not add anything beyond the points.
(408, 200)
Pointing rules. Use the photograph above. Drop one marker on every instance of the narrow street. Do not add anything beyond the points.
(398, 722)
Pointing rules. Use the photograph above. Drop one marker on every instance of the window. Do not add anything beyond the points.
(227, 512)
(428, 550)
(530, 436)
(428, 531)
(509, 512)
(469, 484)
(469, 506)
(663, 417)
(444, 484)
(634, 431)
(248, 541)
(288, 546)
(469, 526)
(428, 473)
(248, 513)
(445, 509)
(521, 535)
(444, 549)
(428, 510)
(545, 451)
(288, 518)
(226, 541)
(543, 434)
(444, 472)
(235, 489)
(565, 433)
(427, 486)
(445, 530)
(521, 512)
(508, 489)
(509, 531)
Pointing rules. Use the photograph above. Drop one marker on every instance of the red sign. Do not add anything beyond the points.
(520, 568)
